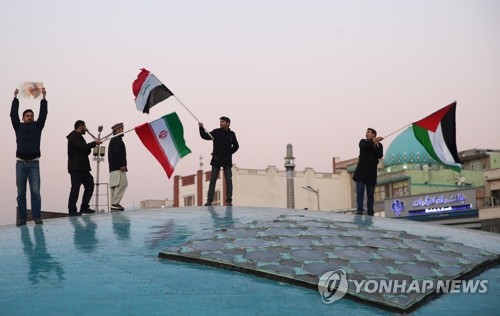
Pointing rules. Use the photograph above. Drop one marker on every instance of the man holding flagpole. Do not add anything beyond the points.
(225, 145)
(79, 169)
(365, 175)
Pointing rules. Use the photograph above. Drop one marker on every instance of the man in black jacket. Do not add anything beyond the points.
(28, 136)
(365, 175)
(225, 145)
(117, 159)
(79, 169)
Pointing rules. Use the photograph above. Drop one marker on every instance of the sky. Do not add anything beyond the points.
(314, 74)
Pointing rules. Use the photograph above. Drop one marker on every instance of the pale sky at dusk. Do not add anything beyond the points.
(314, 74)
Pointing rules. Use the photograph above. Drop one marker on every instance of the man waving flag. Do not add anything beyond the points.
(437, 133)
(149, 91)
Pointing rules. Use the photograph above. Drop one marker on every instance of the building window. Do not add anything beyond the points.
(188, 180)
(476, 165)
(379, 193)
(399, 189)
(208, 174)
(189, 200)
(387, 190)
(495, 198)
(217, 199)
(391, 190)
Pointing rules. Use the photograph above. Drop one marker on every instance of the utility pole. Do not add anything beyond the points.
(310, 189)
(98, 154)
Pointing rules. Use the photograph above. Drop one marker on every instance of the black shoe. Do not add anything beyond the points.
(20, 222)
(74, 214)
(117, 207)
(38, 221)
(229, 203)
(87, 211)
(208, 204)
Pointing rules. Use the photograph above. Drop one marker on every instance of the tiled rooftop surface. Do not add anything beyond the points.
(300, 248)
(106, 264)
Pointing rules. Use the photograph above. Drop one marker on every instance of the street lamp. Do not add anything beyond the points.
(98, 153)
(310, 189)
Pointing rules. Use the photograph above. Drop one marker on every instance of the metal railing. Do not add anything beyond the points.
(99, 206)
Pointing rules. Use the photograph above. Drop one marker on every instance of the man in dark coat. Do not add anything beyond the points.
(365, 175)
(225, 145)
(79, 169)
(117, 159)
(28, 136)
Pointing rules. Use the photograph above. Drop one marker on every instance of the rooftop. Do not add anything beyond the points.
(170, 260)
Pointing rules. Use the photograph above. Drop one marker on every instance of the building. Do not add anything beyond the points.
(406, 174)
(157, 203)
(490, 213)
(412, 185)
(267, 188)
(407, 169)
(270, 187)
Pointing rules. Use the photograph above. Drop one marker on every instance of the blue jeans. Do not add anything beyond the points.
(360, 195)
(28, 171)
(228, 174)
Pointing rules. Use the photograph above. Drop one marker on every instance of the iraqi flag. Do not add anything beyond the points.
(148, 91)
(437, 133)
(164, 138)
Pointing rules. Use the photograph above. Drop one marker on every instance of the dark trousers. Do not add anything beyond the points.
(77, 179)
(228, 174)
(360, 195)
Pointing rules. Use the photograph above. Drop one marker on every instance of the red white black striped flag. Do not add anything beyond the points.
(148, 91)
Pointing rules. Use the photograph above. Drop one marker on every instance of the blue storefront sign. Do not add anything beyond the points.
(439, 204)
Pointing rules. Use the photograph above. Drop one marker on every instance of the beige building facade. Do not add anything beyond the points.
(268, 188)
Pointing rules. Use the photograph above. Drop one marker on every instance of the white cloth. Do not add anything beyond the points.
(117, 185)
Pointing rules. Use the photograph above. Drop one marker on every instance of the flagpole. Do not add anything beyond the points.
(193, 116)
(104, 139)
(95, 138)
(397, 130)
(107, 135)
(186, 108)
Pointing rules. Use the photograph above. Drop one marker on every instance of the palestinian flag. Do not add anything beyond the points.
(164, 138)
(148, 91)
(437, 133)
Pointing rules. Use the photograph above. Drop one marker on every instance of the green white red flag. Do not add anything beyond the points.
(164, 138)
(437, 133)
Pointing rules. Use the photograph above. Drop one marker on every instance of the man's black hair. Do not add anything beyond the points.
(373, 131)
(79, 123)
(27, 111)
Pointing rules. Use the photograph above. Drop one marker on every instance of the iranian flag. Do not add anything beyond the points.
(437, 133)
(148, 91)
(164, 138)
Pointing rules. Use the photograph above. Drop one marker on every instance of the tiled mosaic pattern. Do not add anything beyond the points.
(299, 249)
